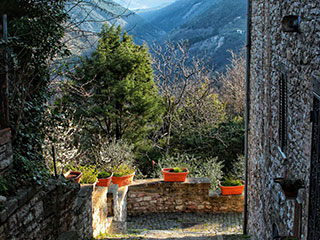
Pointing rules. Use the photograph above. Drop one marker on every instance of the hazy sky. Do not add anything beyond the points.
(143, 4)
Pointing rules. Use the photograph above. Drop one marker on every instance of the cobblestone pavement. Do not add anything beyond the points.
(186, 226)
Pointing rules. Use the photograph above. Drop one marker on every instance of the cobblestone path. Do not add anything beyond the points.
(186, 226)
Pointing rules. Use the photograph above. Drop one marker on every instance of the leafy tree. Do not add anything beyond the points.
(35, 30)
(232, 92)
(118, 98)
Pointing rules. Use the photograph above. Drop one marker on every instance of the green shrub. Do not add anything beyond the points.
(89, 174)
(104, 174)
(238, 168)
(111, 155)
(123, 170)
(177, 170)
(225, 141)
(198, 167)
(231, 182)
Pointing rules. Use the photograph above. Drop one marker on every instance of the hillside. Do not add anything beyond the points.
(91, 15)
(212, 27)
(143, 4)
(217, 30)
(177, 14)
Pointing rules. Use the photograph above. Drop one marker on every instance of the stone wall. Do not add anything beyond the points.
(299, 53)
(109, 210)
(6, 157)
(155, 195)
(47, 212)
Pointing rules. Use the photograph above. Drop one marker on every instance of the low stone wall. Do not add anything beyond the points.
(46, 212)
(6, 156)
(155, 195)
(63, 211)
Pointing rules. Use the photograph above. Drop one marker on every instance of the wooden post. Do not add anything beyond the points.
(54, 160)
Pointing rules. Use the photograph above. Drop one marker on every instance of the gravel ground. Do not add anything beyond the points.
(186, 226)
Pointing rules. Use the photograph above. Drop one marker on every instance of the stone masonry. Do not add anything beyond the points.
(6, 156)
(69, 211)
(44, 212)
(299, 54)
(157, 196)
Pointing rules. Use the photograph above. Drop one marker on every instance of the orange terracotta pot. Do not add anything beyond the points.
(174, 177)
(104, 182)
(231, 190)
(124, 180)
(73, 175)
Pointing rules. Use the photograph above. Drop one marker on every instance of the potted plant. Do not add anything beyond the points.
(89, 175)
(104, 179)
(290, 187)
(231, 187)
(73, 175)
(123, 175)
(176, 174)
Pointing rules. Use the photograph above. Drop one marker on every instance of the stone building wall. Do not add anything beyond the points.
(299, 53)
(155, 195)
(6, 156)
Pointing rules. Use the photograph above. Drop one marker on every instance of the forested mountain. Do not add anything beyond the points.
(212, 27)
(144, 4)
(217, 30)
(88, 17)
(177, 13)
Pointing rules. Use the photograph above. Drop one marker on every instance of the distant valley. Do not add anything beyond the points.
(212, 27)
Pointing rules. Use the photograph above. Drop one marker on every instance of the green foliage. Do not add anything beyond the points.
(123, 170)
(122, 100)
(177, 170)
(110, 155)
(35, 38)
(104, 174)
(225, 141)
(89, 174)
(238, 168)
(231, 182)
(62, 132)
(36, 32)
(28, 172)
(198, 167)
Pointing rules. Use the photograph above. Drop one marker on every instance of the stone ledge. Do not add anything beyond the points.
(149, 182)
(157, 196)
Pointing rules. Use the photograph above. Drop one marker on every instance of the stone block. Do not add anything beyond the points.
(5, 161)
(147, 198)
(3, 148)
(28, 218)
(69, 236)
(5, 136)
(22, 196)
(3, 199)
(3, 215)
(11, 206)
(181, 207)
